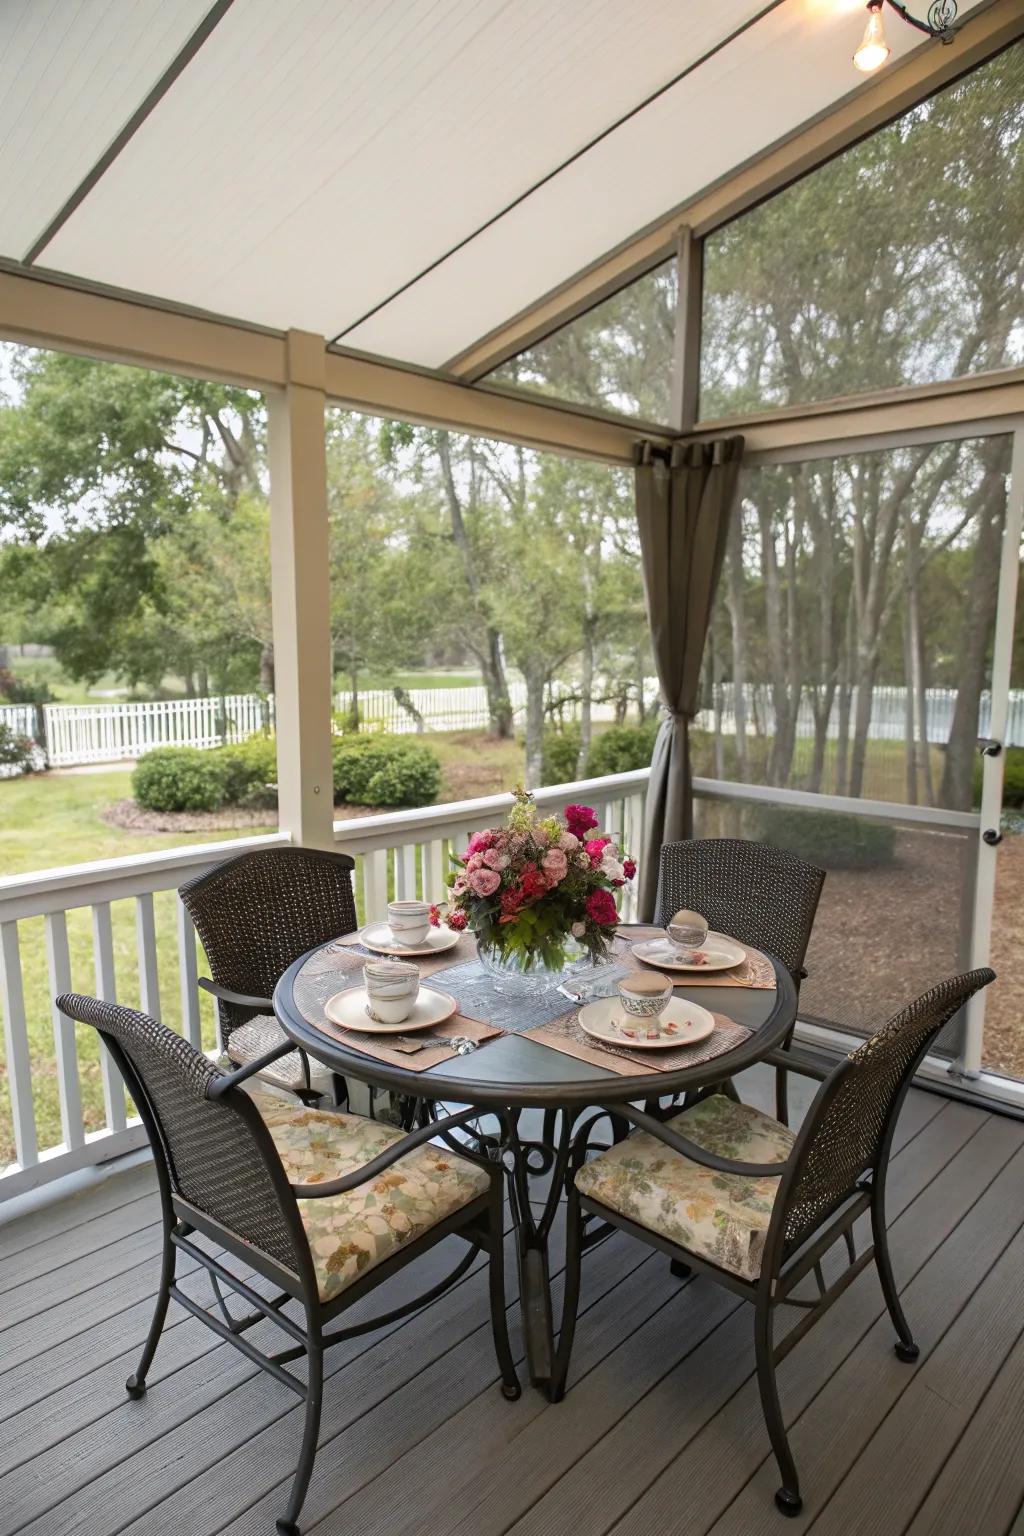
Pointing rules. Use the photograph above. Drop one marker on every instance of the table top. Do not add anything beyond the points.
(518, 1072)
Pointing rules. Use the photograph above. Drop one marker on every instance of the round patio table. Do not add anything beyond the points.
(512, 1073)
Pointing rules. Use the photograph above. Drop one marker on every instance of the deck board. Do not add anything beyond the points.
(662, 1415)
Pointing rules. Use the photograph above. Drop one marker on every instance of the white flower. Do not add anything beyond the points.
(578, 930)
(583, 860)
(611, 868)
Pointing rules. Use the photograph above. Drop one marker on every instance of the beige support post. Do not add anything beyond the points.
(301, 590)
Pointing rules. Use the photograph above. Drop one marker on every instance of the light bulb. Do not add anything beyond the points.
(873, 50)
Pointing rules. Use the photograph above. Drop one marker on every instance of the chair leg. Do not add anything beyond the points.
(287, 1524)
(570, 1294)
(787, 1497)
(510, 1387)
(782, 1095)
(135, 1386)
(905, 1347)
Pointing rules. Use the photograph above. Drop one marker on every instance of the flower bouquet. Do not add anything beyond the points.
(540, 891)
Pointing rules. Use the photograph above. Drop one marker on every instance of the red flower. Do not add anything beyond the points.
(601, 908)
(457, 920)
(534, 882)
(596, 847)
(629, 868)
(579, 819)
(511, 900)
(435, 917)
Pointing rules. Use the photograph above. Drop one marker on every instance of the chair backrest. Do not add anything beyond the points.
(849, 1126)
(258, 912)
(758, 894)
(215, 1153)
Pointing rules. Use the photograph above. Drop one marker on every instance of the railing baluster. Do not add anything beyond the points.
(106, 988)
(58, 962)
(145, 943)
(375, 885)
(433, 870)
(188, 975)
(18, 1060)
(405, 872)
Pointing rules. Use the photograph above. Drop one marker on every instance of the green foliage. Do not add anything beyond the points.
(561, 754)
(250, 772)
(621, 749)
(384, 771)
(180, 779)
(1013, 779)
(20, 690)
(15, 751)
(829, 839)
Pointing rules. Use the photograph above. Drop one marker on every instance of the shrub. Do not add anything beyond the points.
(382, 770)
(561, 754)
(180, 779)
(250, 772)
(17, 752)
(830, 839)
(622, 748)
(1013, 778)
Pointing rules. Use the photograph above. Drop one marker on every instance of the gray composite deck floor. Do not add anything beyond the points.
(661, 1430)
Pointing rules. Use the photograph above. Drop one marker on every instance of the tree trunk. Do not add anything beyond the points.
(353, 707)
(267, 669)
(586, 691)
(534, 771)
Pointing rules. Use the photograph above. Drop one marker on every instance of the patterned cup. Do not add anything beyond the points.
(645, 994)
(391, 989)
(409, 922)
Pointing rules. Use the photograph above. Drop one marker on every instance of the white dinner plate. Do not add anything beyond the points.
(720, 954)
(349, 1010)
(378, 936)
(682, 1023)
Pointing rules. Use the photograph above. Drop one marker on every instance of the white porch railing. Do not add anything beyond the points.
(404, 852)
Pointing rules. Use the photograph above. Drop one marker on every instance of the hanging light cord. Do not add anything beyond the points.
(941, 16)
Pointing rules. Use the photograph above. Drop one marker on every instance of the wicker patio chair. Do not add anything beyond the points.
(254, 915)
(761, 1226)
(761, 895)
(302, 1197)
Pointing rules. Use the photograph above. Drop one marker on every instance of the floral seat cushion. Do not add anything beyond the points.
(248, 1042)
(349, 1234)
(722, 1217)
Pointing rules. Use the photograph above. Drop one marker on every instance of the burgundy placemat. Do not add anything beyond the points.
(567, 1035)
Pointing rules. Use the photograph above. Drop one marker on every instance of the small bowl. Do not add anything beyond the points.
(392, 987)
(645, 994)
(409, 922)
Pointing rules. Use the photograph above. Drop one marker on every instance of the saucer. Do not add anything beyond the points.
(349, 1010)
(681, 1024)
(720, 954)
(378, 936)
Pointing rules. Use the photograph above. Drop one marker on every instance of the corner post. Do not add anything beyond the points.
(301, 593)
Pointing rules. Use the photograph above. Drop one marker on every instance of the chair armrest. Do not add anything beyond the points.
(239, 999)
(800, 1062)
(220, 1085)
(384, 1159)
(690, 1149)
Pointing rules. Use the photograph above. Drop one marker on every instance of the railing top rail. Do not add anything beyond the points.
(849, 805)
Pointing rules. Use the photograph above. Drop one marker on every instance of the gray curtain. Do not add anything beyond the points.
(683, 506)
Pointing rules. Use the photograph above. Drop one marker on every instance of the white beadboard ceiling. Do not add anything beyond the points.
(395, 173)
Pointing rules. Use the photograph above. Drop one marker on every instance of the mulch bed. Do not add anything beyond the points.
(132, 818)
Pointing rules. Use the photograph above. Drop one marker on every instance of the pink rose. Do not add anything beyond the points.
(556, 865)
(568, 842)
(475, 861)
(595, 849)
(478, 842)
(484, 882)
(495, 860)
(601, 908)
(461, 884)
(579, 819)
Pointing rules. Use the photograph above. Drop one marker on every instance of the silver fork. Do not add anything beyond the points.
(460, 1044)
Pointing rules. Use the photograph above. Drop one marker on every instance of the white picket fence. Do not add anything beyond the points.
(888, 713)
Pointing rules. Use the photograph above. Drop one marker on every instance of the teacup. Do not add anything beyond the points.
(409, 921)
(687, 935)
(645, 994)
(391, 989)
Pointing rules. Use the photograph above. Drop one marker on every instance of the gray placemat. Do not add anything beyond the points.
(474, 990)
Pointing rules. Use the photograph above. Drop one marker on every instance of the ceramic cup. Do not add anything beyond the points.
(687, 935)
(409, 921)
(391, 989)
(645, 994)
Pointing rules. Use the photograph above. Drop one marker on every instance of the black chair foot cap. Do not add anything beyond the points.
(907, 1352)
(511, 1391)
(789, 1503)
(680, 1270)
(134, 1387)
(287, 1528)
